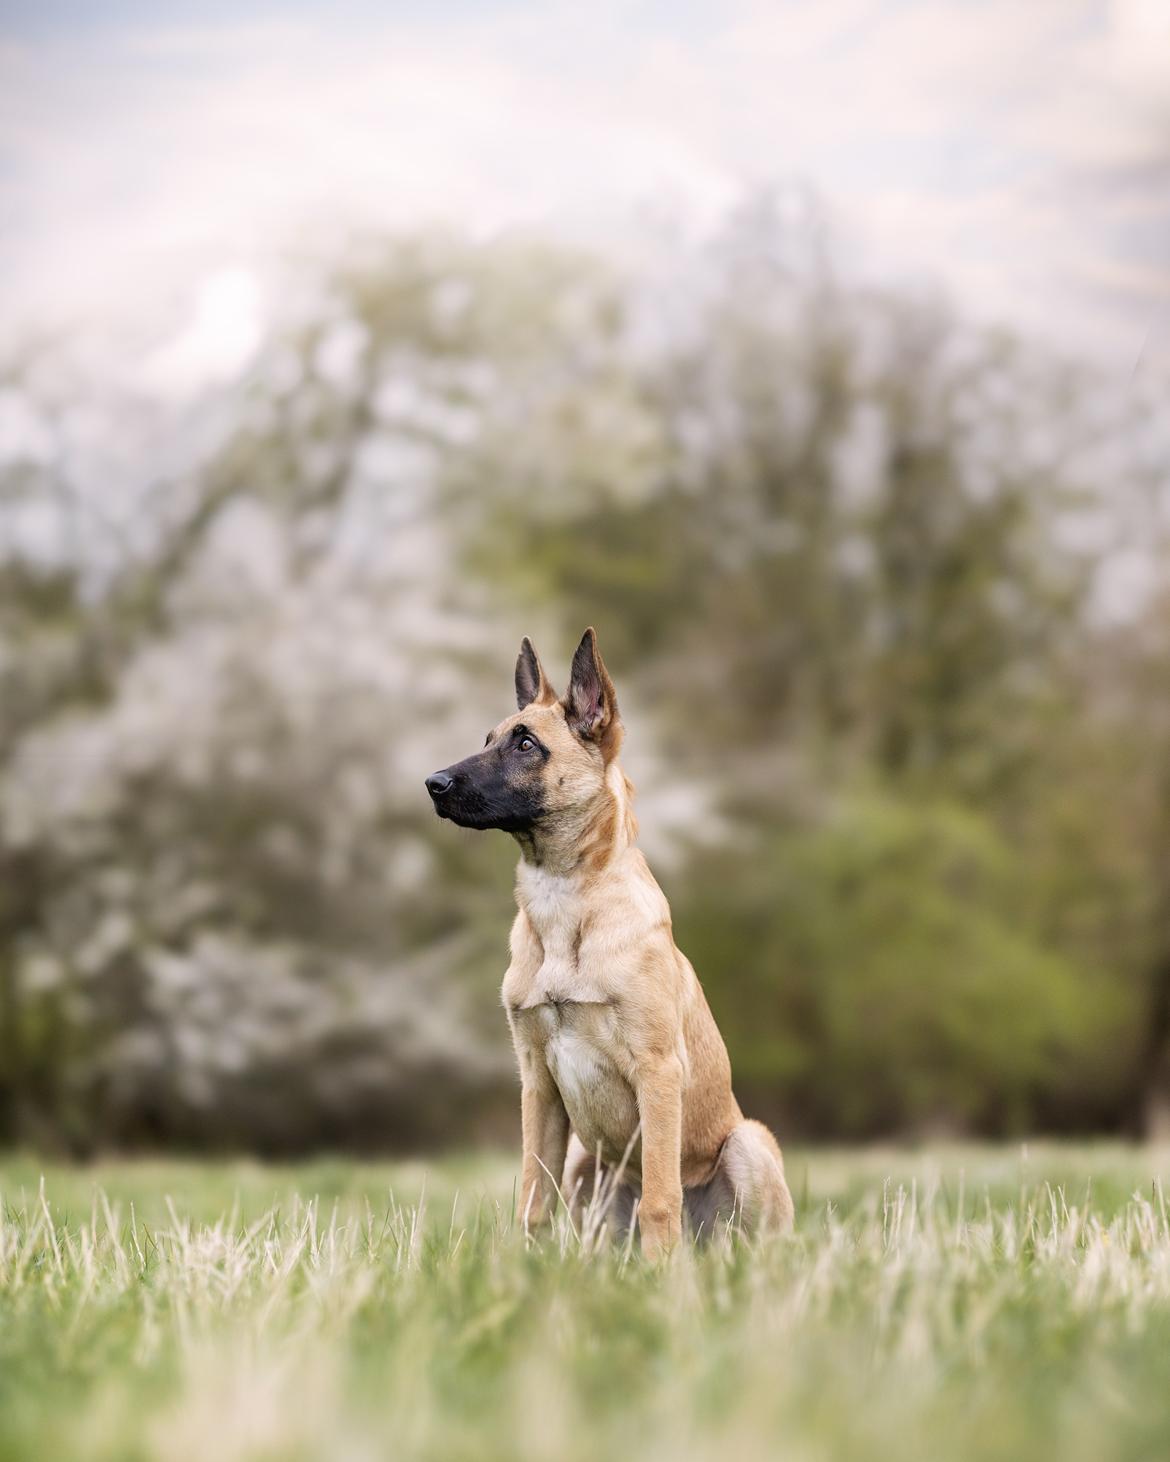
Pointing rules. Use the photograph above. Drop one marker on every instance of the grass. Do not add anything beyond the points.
(956, 1303)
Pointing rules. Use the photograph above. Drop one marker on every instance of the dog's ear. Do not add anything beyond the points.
(590, 703)
(531, 684)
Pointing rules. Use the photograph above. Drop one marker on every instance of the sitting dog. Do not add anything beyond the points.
(621, 1062)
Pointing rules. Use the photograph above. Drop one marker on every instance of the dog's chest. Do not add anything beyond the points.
(565, 1015)
(578, 1043)
(601, 1104)
(557, 913)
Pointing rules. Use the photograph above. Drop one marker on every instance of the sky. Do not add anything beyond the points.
(160, 160)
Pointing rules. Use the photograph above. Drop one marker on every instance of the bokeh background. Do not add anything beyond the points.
(818, 354)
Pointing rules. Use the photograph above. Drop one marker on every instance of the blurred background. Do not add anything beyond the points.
(818, 354)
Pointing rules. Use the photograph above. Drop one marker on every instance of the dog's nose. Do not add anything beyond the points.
(438, 783)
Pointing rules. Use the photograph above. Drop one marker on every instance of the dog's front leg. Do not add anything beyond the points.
(660, 1108)
(545, 1125)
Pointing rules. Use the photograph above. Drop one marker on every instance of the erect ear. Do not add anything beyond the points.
(531, 684)
(590, 703)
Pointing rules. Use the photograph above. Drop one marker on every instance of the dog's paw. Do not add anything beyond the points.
(661, 1233)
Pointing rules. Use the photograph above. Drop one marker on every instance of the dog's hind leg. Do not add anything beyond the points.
(582, 1176)
(592, 1191)
(747, 1191)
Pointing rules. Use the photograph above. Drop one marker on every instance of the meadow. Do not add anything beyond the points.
(960, 1302)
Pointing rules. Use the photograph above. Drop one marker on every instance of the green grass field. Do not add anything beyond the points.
(950, 1304)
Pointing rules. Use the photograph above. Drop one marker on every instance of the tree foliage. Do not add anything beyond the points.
(908, 786)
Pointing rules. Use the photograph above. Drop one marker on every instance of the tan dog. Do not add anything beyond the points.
(620, 1058)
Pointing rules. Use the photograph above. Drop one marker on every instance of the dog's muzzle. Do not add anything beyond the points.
(439, 784)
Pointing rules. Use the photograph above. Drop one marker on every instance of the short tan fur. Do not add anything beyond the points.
(621, 1062)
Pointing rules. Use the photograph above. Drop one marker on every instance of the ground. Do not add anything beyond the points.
(960, 1303)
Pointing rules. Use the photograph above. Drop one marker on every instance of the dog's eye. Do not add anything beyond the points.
(526, 744)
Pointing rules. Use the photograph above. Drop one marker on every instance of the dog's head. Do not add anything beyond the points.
(546, 762)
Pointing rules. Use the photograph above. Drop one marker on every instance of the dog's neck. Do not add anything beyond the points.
(586, 840)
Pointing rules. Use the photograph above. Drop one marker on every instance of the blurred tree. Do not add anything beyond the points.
(880, 969)
(823, 533)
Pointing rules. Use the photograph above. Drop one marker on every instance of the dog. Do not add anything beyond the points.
(625, 1080)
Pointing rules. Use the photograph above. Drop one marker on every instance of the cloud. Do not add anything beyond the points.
(221, 337)
(1018, 154)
